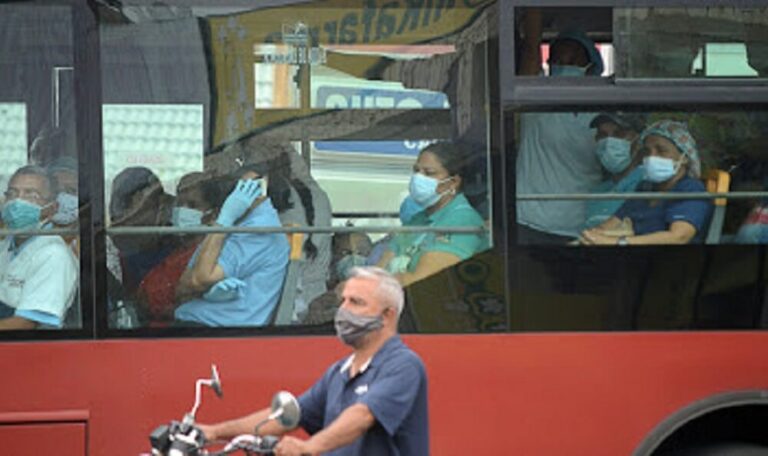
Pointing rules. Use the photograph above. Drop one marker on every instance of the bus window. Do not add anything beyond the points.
(627, 184)
(564, 42)
(39, 181)
(691, 42)
(365, 126)
(643, 42)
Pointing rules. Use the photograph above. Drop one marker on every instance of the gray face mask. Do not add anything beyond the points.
(351, 328)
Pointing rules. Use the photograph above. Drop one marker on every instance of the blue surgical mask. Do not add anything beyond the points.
(67, 211)
(348, 262)
(567, 70)
(659, 169)
(185, 217)
(409, 208)
(423, 190)
(19, 214)
(614, 153)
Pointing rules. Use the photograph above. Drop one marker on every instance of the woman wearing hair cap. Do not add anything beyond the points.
(672, 165)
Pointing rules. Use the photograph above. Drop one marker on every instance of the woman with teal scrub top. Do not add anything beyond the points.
(436, 186)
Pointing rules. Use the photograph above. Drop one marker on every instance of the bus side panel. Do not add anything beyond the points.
(544, 394)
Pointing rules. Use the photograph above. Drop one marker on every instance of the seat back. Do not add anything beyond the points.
(717, 181)
(285, 307)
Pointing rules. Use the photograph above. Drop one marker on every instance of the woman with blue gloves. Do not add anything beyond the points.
(236, 279)
(671, 164)
(436, 186)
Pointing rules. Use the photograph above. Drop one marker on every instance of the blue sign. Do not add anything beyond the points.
(330, 97)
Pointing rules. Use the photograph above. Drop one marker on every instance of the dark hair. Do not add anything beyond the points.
(450, 155)
(128, 182)
(213, 190)
(281, 180)
(34, 170)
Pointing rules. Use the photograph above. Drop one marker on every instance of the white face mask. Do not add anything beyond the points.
(185, 217)
(423, 189)
(659, 169)
(67, 212)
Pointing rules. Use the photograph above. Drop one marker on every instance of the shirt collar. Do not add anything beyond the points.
(348, 363)
(384, 348)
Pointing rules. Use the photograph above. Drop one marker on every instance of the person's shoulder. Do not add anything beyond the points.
(402, 354)
(461, 212)
(264, 214)
(689, 184)
(52, 245)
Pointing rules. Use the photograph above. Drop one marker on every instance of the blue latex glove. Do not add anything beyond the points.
(238, 202)
(225, 290)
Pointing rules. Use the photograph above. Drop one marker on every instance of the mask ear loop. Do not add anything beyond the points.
(450, 191)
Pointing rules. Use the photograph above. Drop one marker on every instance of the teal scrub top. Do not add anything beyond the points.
(457, 213)
(599, 211)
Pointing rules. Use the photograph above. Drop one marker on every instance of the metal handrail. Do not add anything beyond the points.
(639, 196)
(133, 230)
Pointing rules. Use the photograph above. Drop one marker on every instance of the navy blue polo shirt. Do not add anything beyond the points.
(394, 387)
(650, 219)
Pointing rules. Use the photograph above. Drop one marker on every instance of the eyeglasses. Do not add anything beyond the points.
(25, 194)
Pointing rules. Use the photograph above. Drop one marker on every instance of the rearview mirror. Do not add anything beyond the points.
(216, 381)
(285, 409)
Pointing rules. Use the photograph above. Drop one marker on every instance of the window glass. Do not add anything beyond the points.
(579, 174)
(642, 42)
(691, 42)
(324, 112)
(39, 272)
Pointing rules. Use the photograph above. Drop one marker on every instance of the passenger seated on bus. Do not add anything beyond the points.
(619, 152)
(198, 198)
(349, 250)
(305, 204)
(138, 199)
(671, 165)
(63, 171)
(436, 185)
(235, 279)
(39, 273)
(556, 150)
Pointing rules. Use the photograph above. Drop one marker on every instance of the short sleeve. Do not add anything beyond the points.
(312, 403)
(695, 212)
(238, 251)
(391, 398)
(51, 285)
(461, 245)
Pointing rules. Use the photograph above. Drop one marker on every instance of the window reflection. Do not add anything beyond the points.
(275, 99)
(587, 198)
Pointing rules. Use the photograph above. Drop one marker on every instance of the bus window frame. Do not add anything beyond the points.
(93, 230)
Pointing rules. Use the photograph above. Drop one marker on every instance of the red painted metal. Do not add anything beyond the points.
(61, 439)
(537, 394)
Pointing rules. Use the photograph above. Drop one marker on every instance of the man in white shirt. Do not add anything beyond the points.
(38, 274)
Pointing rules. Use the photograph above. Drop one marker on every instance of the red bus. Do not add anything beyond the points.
(535, 344)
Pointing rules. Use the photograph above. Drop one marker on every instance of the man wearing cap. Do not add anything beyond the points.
(138, 199)
(556, 152)
(617, 149)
